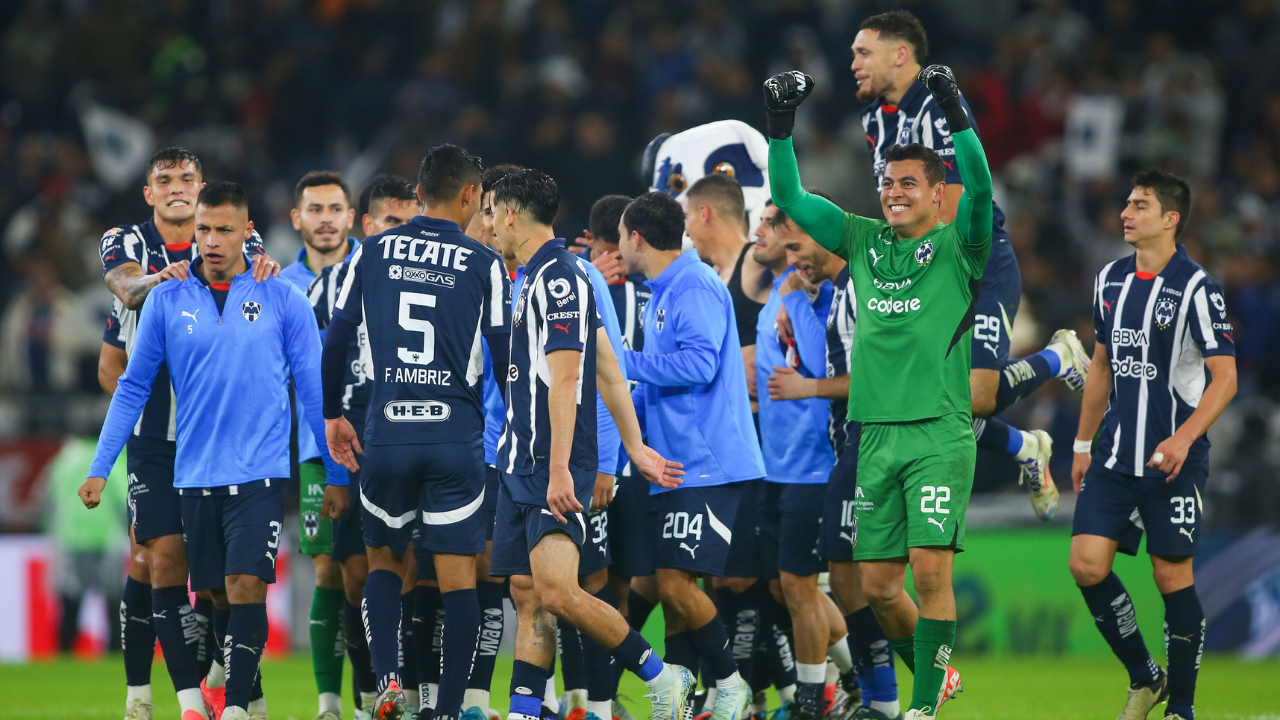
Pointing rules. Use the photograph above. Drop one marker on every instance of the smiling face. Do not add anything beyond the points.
(323, 217)
(906, 197)
(172, 191)
(770, 237)
(808, 257)
(874, 62)
(220, 235)
(1144, 218)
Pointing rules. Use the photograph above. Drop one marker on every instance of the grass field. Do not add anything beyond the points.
(1039, 688)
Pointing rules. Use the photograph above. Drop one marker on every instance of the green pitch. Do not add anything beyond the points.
(1016, 689)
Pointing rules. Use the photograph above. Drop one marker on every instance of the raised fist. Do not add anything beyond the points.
(783, 93)
(941, 82)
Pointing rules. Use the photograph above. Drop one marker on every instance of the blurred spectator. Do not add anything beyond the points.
(44, 335)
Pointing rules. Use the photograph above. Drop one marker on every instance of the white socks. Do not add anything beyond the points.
(427, 694)
(137, 692)
(1064, 357)
(602, 710)
(475, 698)
(190, 699)
(728, 683)
(787, 694)
(888, 709)
(815, 674)
(258, 707)
(659, 679)
(549, 697)
(1030, 447)
(840, 655)
(331, 702)
(217, 676)
(411, 698)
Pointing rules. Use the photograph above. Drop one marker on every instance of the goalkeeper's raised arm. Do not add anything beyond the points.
(973, 217)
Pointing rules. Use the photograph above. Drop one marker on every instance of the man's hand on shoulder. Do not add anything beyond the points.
(264, 267)
(180, 270)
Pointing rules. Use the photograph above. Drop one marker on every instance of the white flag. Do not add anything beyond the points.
(119, 144)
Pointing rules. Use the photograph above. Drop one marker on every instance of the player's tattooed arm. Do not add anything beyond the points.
(131, 285)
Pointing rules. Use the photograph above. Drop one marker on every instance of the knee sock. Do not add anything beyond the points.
(775, 622)
(408, 661)
(242, 649)
(742, 619)
(635, 654)
(934, 641)
(207, 647)
(217, 676)
(179, 634)
(573, 666)
(362, 678)
(381, 613)
(602, 685)
(327, 647)
(428, 614)
(1184, 643)
(490, 595)
(528, 681)
(873, 658)
(1019, 378)
(137, 633)
(992, 433)
(681, 651)
(906, 649)
(712, 642)
(638, 610)
(458, 650)
(759, 679)
(1112, 611)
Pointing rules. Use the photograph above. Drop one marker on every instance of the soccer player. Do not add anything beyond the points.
(232, 512)
(876, 680)
(550, 452)
(887, 53)
(1160, 321)
(909, 367)
(386, 202)
(693, 396)
(135, 259)
(323, 215)
(430, 298)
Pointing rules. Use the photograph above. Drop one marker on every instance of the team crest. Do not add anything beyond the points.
(924, 254)
(518, 314)
(251, 310)
(311, 524)
(660, 318)
(1164, 314)
(394, 272)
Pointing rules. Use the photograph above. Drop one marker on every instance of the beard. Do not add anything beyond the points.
(323, 243)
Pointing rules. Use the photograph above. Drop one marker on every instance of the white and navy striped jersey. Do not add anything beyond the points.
(629, 299)
(840, 322)
(1157, 330)
(555, 310)
(427, 295)
(357, 379)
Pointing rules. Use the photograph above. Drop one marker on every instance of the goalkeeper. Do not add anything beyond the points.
(916, 281)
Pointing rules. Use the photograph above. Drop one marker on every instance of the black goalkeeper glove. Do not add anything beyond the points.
(783, 93)
(939, 81)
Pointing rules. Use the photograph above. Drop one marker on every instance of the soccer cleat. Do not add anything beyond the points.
(1174, 716)
(573, 700)
(192, 715)
(362, 714)
(620, 711)
(326, 716)
(258, 716)
(869, 713)
(669, 697)
(847, 698)
(919, 715)
(591, 716)
(139, 709)
(473, 713)
(1034, 472)
(785, 711)
(731, 702)
(1076, 357)
(951, 687)
(215, 699)
(391, 704)
(1143, 697)
(235, 713)
(575, 714)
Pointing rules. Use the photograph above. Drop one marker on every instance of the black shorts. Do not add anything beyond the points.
(438, 486)
(790, 522)
(706, 529)
(839, 524)
(233, 530)
(997, 306)
(519, 527)
(1121, 507)
(630, 527)
(154, 508)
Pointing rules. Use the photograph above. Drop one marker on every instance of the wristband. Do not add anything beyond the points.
(1082, 446)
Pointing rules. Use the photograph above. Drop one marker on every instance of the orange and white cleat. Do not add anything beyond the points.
(215, 699)
(951, 687)
(391, 704)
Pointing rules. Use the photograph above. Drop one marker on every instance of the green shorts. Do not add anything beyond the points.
(317, 530)
(914, 480)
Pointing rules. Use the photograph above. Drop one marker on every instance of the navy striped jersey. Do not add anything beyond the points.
(427, 294)
(629, 299)
(1157, 331)
(840, 322)
(356, 381)
(555, 310)
(143, 245)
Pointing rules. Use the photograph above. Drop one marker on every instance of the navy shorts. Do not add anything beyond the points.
(1121, 507)
(518, 526)
(348, 536)
(426, 559)
(153, 502)
(839, 524)
(790, 522)
(997, 306)
(695, 529)
(233, 530)
(438, 486)
(629, 528)
(595, 547)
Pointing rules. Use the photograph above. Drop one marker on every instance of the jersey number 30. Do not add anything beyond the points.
(428, 352)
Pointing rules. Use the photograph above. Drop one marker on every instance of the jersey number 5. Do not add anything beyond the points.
(428, 352)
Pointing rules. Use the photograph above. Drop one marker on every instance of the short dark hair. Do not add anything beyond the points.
(492, 175)
(531, 191)
(900, 25)
(385, 187)
(1172, 191)
(658, 218)
(780, 218)
(721, 190)
(605, 214)
(320, 178)
(223, 193)
(171, 157)
(934, 172)
(445, 170)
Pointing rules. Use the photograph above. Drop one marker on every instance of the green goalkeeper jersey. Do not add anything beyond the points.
(914, 296)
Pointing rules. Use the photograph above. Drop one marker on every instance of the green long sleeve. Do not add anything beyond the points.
(822, 219)
(973, 215)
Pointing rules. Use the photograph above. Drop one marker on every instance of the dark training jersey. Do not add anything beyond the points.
(427, 294)
(357, 377)
(555, 310)
(840, 323)
(629, 299)
(1157, 329)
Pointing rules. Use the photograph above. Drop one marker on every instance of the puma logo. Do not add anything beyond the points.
(990, 347)
(939, 523)
(874, 257)
(847, 536)
(160, 614)
(191, 315)
(246, 647)
(565, 328)
(691, 550)
(1188, 533)
(1183, 638)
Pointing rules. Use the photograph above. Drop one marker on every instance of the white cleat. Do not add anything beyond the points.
(918, 715)
(326, 716)
(670, 693)
(235, 713)
(732, 702)
(138, 709)
(1076, 357)
(1035, 474)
